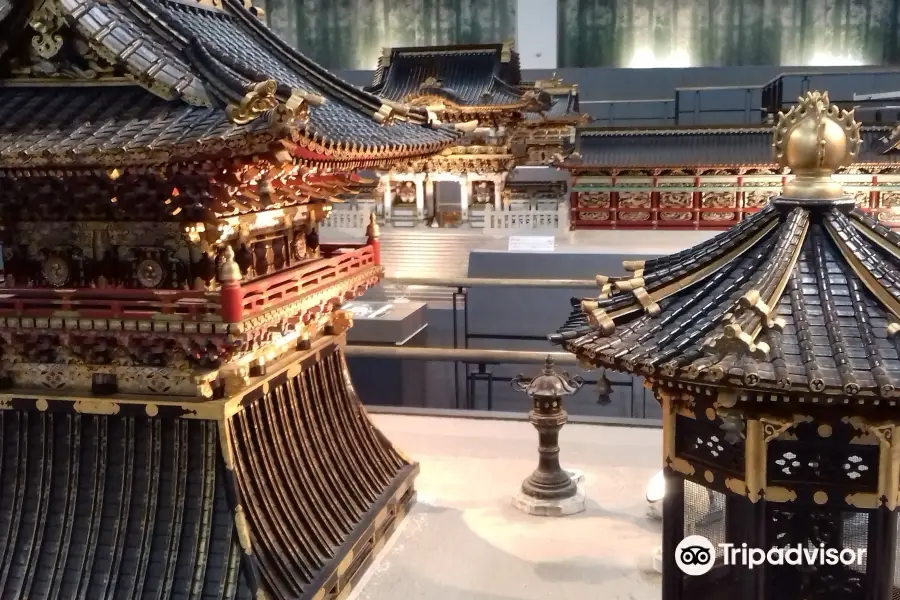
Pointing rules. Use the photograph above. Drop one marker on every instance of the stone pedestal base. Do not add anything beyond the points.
(550, 508)
(575, 475)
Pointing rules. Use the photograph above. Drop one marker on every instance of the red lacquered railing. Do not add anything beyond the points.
(106, 303)
(232, 303)
(270, 292)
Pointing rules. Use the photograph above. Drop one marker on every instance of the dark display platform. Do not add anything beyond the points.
(385, 381)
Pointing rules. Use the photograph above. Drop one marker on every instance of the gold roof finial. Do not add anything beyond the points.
(815, 139)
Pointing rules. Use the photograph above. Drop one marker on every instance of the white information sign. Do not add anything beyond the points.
(532, 243)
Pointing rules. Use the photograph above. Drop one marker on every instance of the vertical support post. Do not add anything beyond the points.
(673, 503)
(464, 190)
(388, 197)
(673, 533)
(430, 207)
(498, 193)
(231, 298)
(756, 448)
(882, 547)
(372, 234)
(420, 198)
(882, 535)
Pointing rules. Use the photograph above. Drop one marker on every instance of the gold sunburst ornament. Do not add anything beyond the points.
(814, 139)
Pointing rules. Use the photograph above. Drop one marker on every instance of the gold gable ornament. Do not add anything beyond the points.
(260, 98)
(815, 139)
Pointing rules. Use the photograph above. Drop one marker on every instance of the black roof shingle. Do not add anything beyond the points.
(268, 503)
(801, 299)
(691, 147)
(211, 56)
(468, 75)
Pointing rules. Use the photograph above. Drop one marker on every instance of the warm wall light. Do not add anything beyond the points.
(827, 59)
(645, 58)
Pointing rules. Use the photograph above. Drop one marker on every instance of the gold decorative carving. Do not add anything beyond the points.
(820, 497)
(594, 199)
(79, 378)
(772, 427)
(863, 500)
(815, 139)
(55, 53)
(780, 494)
(593, 216)
(295, 111)
(758, 198)
(863, 198)
(682, 466)
(634, 200)
(47, 23)
(260, 98)
(243, 529)
(96, 407)
(718, 200)
(736, 486)
(341, 321)
(669, 199)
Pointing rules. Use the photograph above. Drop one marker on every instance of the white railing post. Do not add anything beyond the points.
(489, 225)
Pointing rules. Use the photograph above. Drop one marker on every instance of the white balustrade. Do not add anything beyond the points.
(517, 222)
(351, 220)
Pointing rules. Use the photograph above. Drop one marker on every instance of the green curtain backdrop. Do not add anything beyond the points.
(350, 34)
(700, 33)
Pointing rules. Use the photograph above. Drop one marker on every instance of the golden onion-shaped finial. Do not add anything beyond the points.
(229, 271)
(815, 139)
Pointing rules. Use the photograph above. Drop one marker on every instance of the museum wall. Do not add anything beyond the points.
(350, 34)
(704, 33)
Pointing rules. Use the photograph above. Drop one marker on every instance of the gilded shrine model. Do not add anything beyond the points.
(176, 415)
(773, 350)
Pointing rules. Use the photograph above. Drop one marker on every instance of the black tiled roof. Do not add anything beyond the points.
(127, 124)
(98, 506)
(247, 55)
(134, 506)
(686, 147)
(829, 276)
(209, 57)
(561, 106)
(473, 75)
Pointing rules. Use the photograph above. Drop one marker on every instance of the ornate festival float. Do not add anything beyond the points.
(773, 350)
(177, 416)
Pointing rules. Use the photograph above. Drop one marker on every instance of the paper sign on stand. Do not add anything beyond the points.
(532, 243)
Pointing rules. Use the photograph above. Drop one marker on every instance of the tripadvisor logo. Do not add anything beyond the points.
(696, 555)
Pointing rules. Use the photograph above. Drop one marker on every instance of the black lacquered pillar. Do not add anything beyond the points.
(673, 533)
(881, 553)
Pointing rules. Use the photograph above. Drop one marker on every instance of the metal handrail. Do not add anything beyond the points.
(470, 282)
(469, 355)
(456, 413)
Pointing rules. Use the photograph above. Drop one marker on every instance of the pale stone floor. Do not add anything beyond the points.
(464, 540)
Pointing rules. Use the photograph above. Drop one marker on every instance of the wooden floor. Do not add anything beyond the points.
(463, 540)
